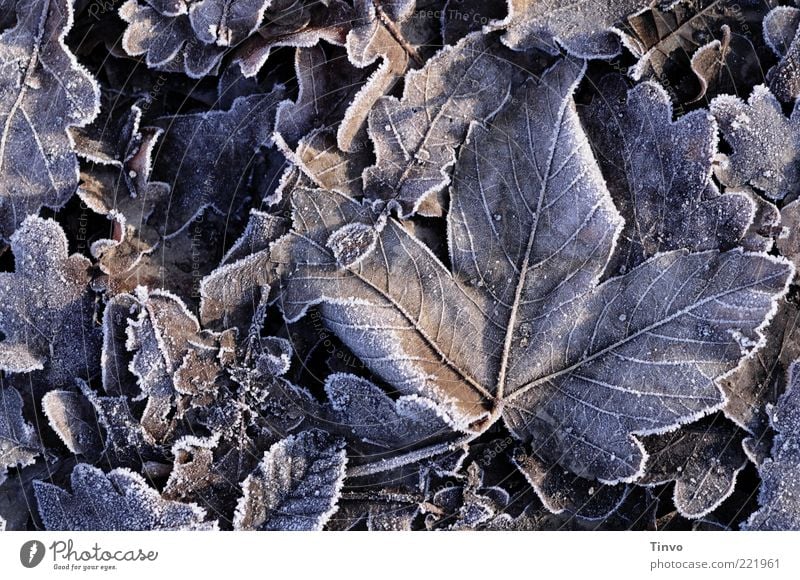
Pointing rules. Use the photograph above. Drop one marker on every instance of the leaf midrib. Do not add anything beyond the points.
(584, 360)
(522, 279)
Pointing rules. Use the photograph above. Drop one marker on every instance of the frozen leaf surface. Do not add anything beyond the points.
(19, 444)
(760, 379)
(125, 442)
(172, 356)
(764, 142)
(46, 308)
(659, 174)
(193, 469)
(72, 417)
(206, 158)
(788, 241)
(703, 460)
(501, 257)
(520, 328)
(319, 158)
(372, 416)
(295, 487)
(188, 37)
(298, 23)
(119, 500)
(780, 32)
(585, 28)
(416, 136)
(43, 91)
(378, 34)
(473, 504)
(327, 85)
(233, 293)
(226, 22)
(564, 493)
(117, 184)
(716, 40)
(780, 474)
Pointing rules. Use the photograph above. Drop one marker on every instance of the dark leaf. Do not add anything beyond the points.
(371, 416)
(702, 460)
(700, 48)
(327, 84)
(299, 23)
(780, 474)
(206, 158)
(19, 445)
(659, 174)
(562, 492)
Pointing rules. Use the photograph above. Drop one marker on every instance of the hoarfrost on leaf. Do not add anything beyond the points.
(72, 417)
(586, 29)
(119, 500)
(760, 379)
(563, 492)
(46, 307)
(416, 136)
(780, 32)
(224, 144)
(43, 91)
(659, 174)
(372, 416)
(780, 474)
(765, 143)
(592, 378)
(19, 445)
(703, 460)
(295, 487)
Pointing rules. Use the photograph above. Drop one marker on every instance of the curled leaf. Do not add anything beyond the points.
(764, 143)
(19, 444)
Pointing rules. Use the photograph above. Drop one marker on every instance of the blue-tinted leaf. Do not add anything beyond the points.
(779, 496)
(295, 487)
(19, 444)
(43, 91)
(119, 500)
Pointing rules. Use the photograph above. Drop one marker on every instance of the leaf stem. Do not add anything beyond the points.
(390, 26)
(408, 458)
